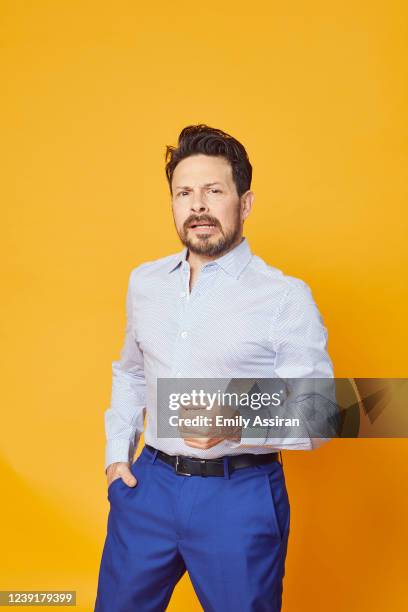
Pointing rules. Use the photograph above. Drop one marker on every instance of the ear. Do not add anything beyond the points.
(247, 200)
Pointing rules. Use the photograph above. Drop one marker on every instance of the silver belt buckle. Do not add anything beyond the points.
(178, 469)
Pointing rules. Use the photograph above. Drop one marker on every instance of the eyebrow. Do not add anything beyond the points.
(205, 185)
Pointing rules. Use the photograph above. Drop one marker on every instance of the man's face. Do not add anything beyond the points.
(208, 213)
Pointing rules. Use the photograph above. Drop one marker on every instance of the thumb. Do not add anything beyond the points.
(129, 479)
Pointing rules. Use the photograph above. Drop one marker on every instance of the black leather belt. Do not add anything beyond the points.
(194, 466)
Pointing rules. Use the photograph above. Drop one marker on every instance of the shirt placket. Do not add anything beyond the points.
(188, 313)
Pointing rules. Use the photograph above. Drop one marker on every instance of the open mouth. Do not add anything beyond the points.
(202, 225)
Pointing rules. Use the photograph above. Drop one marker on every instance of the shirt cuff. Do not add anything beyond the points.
(295, 444)
(119, 449)
(275, 444)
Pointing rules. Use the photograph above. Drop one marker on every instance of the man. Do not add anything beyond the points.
(216, 506)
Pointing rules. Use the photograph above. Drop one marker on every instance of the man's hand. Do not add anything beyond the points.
(207, 436)
(121, 469)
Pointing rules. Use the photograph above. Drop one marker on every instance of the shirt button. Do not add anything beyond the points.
(183, 294)
(178, 374)
(184, 334)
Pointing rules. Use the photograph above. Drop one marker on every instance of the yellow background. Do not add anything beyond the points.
(92, 93)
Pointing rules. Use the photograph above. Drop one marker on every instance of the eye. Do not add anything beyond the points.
(181, 193)
(216, 190)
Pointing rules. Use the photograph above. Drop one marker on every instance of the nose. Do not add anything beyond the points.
(198, 203)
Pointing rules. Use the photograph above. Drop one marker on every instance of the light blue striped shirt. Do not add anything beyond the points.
(243, 319)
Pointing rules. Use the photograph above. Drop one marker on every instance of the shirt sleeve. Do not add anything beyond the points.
(124, 419)
(299, 339)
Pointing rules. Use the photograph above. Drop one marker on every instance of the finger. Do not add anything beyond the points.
(129, 479)
(193, 443)
(203, 444)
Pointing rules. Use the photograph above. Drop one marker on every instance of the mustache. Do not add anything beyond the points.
(204, 219)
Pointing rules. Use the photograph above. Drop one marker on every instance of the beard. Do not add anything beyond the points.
(210, 245)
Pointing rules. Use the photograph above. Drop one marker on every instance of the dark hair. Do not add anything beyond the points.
(196, 139)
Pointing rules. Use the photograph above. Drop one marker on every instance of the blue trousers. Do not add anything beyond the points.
(230, 534)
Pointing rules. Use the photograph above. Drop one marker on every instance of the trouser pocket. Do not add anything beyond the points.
(277, 506)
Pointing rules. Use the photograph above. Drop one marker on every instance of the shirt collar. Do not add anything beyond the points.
(232, 262)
